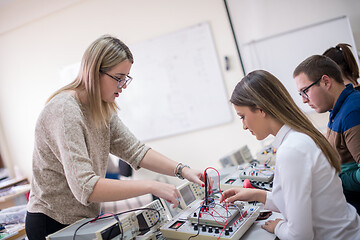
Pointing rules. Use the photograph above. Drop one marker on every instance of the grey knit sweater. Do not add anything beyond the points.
(71, 154)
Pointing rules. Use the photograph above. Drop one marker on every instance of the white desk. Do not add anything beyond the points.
(256, 232)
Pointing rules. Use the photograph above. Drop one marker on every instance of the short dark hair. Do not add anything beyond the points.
(316, 66)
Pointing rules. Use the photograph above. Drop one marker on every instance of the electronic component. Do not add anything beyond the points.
(205, 218)
(260, 176)
(217, 215)
(264, 215)
(257, 172)
(150, 221)
(237, 157)
(237, 182)
(100, 229)
(267, 155)
(169, 209)
(189, 192)
(208, 222)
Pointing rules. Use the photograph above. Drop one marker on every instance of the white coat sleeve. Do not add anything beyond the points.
(296, 180)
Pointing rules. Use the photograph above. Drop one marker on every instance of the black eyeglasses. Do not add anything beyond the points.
(121, 82)
(303, 94)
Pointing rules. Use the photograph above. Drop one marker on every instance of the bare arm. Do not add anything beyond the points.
(244, 194)
(159, 163)
(112, 190)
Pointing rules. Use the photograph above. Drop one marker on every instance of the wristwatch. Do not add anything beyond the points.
(179, 169)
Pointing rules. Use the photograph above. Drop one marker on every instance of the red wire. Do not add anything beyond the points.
(101, 216)
(214, 219)
(227, 213)
(218, 215)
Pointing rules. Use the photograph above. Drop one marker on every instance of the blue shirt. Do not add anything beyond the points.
(344, 135)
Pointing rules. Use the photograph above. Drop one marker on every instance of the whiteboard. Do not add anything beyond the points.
(280, 54)
(178, 85)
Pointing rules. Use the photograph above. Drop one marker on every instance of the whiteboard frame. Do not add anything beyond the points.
(253, 55)
(178, 85)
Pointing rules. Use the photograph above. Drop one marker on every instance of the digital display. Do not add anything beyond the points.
(187, 195)
(110, 232)
(230, 181)
(177, 224)
(143, 226)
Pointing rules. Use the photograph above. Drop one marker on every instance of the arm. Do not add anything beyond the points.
(295, 177)
(83, 176)
(113, 190)
(243, 194)
(125, 145)
(269, 203)
(351, 175)
(157, 162)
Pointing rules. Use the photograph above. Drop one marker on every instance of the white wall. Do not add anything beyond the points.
(262, 18)
(38, 38)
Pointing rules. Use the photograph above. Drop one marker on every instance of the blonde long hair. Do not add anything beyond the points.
(103, 54)
(260, 89)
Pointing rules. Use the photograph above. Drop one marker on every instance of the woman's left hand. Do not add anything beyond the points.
(270, 225)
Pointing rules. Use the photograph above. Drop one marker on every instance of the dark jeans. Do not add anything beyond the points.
(38, 226)
(354, 199)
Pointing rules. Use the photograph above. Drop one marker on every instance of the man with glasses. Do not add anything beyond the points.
(320, 84)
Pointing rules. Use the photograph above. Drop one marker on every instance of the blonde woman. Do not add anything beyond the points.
(307, 190)
(76, 132)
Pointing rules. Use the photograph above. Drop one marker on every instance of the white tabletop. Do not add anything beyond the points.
(256, 232)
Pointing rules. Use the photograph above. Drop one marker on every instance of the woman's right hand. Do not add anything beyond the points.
(243, 194)
(166, 191)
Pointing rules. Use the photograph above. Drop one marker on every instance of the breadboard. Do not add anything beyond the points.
(183, 226)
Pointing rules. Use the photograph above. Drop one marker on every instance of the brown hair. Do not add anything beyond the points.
(343, 56)
(261, 89)
(317, 65)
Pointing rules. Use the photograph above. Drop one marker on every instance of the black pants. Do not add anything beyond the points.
(38, 226)
(354, 199)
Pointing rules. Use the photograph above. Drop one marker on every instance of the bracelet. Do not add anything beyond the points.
(178, 170)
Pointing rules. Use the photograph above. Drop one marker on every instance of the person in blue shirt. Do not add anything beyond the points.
(307, 190)
(321, 85)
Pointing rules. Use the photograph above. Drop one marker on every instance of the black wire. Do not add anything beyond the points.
(137, 209)
(116, 217)
(258, 187)
(197, 223)
(204, 205)
(206, 193)
(120, 226)
(157, 221)
(95, 219)
(81, 227)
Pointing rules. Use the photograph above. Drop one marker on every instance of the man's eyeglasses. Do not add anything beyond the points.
(121, 82)
(303, 94)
